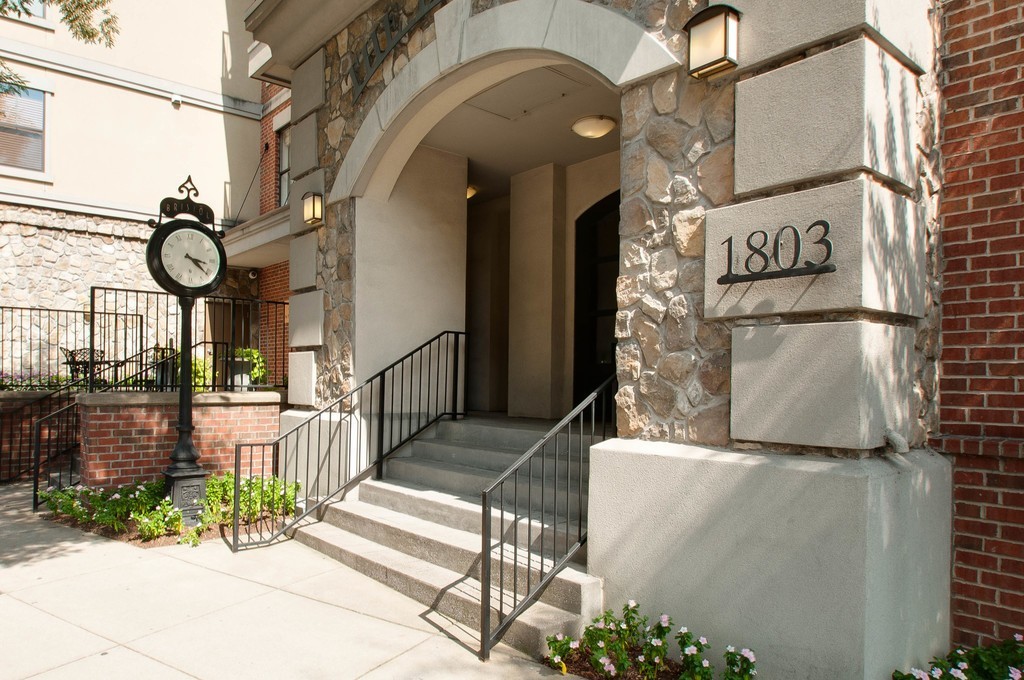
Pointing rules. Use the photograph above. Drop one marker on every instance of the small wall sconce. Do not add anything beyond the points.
(714, 40)
(312, 207)
(593, 127)
(470, 192)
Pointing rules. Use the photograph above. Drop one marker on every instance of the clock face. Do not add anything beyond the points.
(191, 258)
(186, 258)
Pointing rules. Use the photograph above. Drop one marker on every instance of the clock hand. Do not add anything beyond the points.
(198, 263)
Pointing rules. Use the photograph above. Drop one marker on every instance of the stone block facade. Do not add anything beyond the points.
(982, 369)
(127, 438)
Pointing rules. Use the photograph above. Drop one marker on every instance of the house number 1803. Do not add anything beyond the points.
(779, 256)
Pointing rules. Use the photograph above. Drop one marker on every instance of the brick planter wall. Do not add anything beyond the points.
(129, 437)
(982, 368)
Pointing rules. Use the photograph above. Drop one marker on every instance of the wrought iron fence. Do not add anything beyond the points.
(55, 442)
(280, 483)
(534, 515)
(125, 340)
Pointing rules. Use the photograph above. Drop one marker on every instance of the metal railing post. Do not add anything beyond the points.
(455, 379)
(380, 429)
(485, 578)
(238, 491)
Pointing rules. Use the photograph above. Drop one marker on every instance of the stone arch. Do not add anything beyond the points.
(471, 53)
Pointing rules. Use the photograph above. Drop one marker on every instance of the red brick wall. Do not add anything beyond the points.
(269, 198)
(128, 442)
(982, 365)
(273, 321)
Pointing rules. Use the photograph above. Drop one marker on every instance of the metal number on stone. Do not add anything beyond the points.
(778, 256)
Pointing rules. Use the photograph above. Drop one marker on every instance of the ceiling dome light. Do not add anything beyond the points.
(593, 127)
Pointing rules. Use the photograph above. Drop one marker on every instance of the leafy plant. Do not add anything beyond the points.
(629, 645)
(999, 661)
(162, 520)
(258, 365)
(202, 374)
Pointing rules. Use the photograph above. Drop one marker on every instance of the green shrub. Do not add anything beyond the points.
(629, 645)
(1000, 661)
(258, 365)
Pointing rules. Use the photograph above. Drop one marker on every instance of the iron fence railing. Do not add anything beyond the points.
(534, 515)
(278, 484)
(126, 340)
(55, 442)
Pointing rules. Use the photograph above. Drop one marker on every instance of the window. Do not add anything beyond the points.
(284, 140)
(36, 8)
(21, 129)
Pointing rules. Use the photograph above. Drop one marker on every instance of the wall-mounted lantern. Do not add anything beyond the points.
(312, 208)
(714, 40)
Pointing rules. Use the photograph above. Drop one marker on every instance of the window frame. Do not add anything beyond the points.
(45, 175)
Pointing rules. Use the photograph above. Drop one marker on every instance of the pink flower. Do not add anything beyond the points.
(1015, 673)
(1018, 637)
(749, 654)
(705, 663)
(958, 674)
(690, 651)
(919, 674)
(703, 640)
(664, 620)
(559, 637)
(575, 644)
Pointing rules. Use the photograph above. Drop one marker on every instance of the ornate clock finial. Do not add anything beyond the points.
(188, 188)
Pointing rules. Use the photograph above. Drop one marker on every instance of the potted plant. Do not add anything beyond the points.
(249, 368)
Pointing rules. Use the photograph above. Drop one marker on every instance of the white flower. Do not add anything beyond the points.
(600, 643)
(1018, 637)
(962, 665)
(657, 659)
(936, 672)
(664, 619)
(690, 651)
(556, 659)
(684, 630)
(958, 674)
(705, 663)
(116, 497)
(603, 660)
(656, 642)
(640, 658)
(575, 644)
(703, 640)
(730, 649)
(632, 604)
(559, 637)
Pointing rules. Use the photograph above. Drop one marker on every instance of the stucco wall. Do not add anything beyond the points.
(410, 261)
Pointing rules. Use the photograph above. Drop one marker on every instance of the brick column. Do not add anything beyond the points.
(982, 368)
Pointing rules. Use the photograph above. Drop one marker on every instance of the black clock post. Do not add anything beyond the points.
(187, 259)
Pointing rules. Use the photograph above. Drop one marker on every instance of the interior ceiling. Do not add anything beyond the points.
(524, 122)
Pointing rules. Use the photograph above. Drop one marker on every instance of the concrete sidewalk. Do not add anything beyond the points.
(75, 605)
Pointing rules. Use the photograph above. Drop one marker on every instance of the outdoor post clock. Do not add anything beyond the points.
(187, 259)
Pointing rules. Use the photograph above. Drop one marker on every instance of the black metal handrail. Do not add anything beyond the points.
(551, 508)
(55, 439)
(280, 483)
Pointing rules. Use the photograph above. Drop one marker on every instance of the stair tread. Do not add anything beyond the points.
(456, 502)
(456, 538)
(440, 578)
(469, 446)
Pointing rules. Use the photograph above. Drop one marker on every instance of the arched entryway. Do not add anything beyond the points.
(501, 265)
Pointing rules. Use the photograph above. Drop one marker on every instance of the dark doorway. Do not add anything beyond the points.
(597, 267)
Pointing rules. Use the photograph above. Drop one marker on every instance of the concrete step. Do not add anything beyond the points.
(459, 551)
(500, 433)
(448, 592)
(499, 460)
(464, 514)
(462, 480)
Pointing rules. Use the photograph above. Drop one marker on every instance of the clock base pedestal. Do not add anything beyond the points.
(187, 490)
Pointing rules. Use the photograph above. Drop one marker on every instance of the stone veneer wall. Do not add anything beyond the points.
(128, 438)
(52, 258)
(677, 162)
